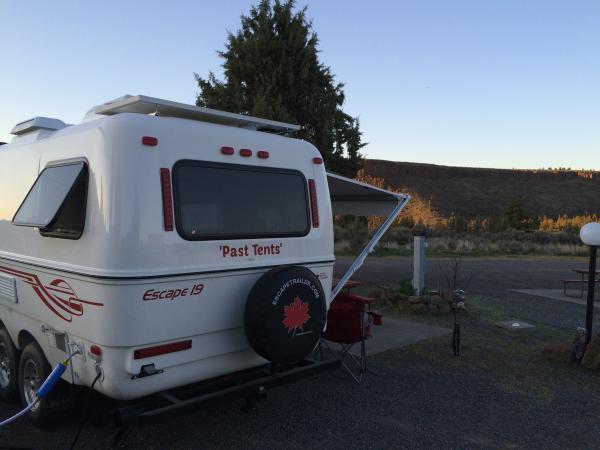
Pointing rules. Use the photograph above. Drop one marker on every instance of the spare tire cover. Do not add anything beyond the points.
(285, 314)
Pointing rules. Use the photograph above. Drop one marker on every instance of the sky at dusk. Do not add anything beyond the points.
(509, 84)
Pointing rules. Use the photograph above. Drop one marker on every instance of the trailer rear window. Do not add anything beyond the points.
(227, 201)
(56, 203)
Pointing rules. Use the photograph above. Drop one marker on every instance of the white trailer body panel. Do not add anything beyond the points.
(124, 234)
(127, 283)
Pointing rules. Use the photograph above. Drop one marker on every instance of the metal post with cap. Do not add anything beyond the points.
(590, 236)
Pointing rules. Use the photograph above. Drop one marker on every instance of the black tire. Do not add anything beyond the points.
(33, 371)
(9, 357)
(285, 314)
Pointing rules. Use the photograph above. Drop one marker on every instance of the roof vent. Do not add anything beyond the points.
(38, 123)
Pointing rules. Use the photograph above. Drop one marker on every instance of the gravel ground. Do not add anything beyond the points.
(407, 402)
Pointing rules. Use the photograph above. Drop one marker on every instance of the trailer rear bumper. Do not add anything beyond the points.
(251, 384)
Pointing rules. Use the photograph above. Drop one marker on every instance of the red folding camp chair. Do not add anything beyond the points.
(348, 324)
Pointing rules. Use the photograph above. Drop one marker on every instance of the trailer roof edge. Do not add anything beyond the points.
(142, 104)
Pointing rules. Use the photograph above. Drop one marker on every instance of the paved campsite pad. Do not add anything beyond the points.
(396, 333)
(558, 294)
(488, 275)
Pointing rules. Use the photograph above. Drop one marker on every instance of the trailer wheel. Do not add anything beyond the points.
(285, 314)
(33, 371)
(9, 383)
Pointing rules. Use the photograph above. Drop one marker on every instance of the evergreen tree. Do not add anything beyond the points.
(272, 70)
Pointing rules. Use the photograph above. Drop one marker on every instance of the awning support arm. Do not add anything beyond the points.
(360, 259)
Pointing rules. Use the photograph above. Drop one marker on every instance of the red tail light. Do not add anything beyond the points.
(149, 352)
(149, 140)
(227, 150)
(262, 154)
(246, 152)
(167, 198)
(95, 350)
(313, 203)
(317, 160)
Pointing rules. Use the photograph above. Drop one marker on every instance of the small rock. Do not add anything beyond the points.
(560, 352)
(446, 294)
(397, 298)
(415, 300)
(591, 358)
(444, 307)
(435, 298)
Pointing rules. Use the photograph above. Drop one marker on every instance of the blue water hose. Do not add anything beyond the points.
(52, 379)
(20, 413)
(44, 389)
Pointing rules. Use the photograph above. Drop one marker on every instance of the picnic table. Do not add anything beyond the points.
(581, 281)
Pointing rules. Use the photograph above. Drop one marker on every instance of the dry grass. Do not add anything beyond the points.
(514, 358)
(353, 236)
(480, 246)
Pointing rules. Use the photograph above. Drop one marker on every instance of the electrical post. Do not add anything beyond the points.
(418, 282)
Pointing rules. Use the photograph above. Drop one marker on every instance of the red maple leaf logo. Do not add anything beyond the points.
(296, 315)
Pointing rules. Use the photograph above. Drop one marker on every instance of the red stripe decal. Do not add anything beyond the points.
(68, 302)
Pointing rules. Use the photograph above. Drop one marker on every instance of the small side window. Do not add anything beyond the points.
(56, 203)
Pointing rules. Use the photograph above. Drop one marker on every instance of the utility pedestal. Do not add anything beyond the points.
(418, 281)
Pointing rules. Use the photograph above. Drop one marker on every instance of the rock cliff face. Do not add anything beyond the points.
(472, 191)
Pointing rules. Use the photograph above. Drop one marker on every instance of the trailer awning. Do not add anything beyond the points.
(352, 197)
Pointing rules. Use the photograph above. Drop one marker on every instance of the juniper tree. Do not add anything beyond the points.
(272, 70)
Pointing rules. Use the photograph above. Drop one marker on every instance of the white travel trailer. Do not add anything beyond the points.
(164, 244)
